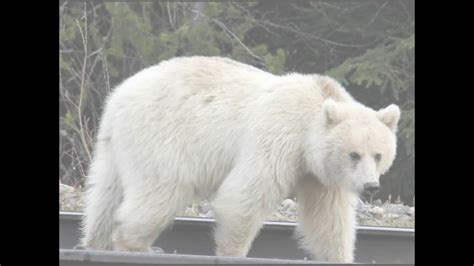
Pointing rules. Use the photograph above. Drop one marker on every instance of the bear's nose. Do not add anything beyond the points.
(371, 187)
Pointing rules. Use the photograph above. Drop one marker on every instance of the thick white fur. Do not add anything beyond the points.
(209, 127)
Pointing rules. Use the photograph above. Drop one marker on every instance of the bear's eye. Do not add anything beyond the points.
(378, 157)
(354, 156)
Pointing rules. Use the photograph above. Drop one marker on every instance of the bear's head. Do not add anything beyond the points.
(352, 145)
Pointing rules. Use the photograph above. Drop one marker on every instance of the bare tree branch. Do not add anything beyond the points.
(311, 36)
(377, 13)
(81, 96)
(224, 27)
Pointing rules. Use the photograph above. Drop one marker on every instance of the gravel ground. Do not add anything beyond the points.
(375, 214)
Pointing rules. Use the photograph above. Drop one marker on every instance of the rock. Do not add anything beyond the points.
(398, 209)
(411, 212)
(377, 212)
(288, 205)
(204, 207)
(362, 207)
(392, 216)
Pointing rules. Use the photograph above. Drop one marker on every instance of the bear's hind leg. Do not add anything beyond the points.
(144, 214)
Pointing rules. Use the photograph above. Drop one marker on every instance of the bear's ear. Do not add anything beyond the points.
(332, 112)
(390, 116)
(333, 89)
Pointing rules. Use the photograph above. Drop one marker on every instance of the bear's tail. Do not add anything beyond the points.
(102, 198)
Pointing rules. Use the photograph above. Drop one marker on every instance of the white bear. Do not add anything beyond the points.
(195, 128)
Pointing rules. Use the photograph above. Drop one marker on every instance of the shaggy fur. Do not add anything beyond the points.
(197, 128)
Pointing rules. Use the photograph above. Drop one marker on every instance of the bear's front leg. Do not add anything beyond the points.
(242, 203)
(326, 227)
(235, 232)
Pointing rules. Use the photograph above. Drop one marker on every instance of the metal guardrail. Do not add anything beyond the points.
(193, 236)
(70, 257)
